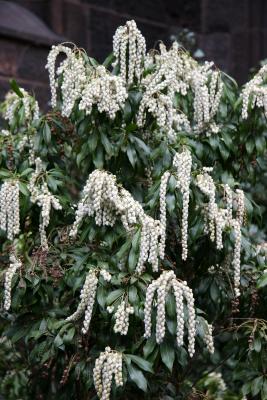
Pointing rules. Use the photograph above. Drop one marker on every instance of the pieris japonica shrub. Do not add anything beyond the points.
(130, 256)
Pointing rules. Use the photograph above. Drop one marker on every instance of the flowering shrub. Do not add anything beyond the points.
(129, 265)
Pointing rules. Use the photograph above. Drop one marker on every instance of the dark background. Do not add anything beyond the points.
(233, 33)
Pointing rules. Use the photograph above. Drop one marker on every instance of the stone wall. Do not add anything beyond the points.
(231, 32)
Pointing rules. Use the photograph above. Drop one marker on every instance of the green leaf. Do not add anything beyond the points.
(68, 336)
(264, 390)
(58, 342)
(109, 60)
(124, 248)
(142, 146)
(246, 388)
(5, 174)
(26, 172)
(14, 86)
(260, 144)
(92, 141)
(257, 345)
(132, 156)
(256, 385)
(101, 296)
(132, 294)
(137, 377)
(113, 296)
(262, 281)
(214, 292)
(249, 146)
(98, 157)
(106, 143)
(143, 364)
(167, 355)
(23, 189)
(127, 112)
(170, 305)
(47, 133)
(132, 259)
(149, 347)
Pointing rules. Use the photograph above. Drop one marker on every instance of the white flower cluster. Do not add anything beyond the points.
(215, 378)
(51, 67)
(207, 88)
(240, 200)
(15, 264)
(13, 102)
(220, 218)
(121, 317)
(105, 275)
(87, 298)
(183, 164)
(237, 254)
(85, 84)
(129, 48)
(149, 245)
(9, 208)
(5, 132)
(160, 87)
(162, 286)
(208, 339)
(107, 365)
(172, 72)
(106, 201)
(255, 93)
(74, 78)
(175, 72)
(207, 186)
(162, 198)
(106, 91)
(41, 195)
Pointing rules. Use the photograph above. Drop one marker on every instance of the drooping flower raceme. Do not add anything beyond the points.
(87, 298)
(13, 102)
(122, 315)
(107, 202)
(15, 264)
(207, 88)
(74, 78)
(183, 164)
(240, 200)
(129, 48)
(255, 93)
(220, 218)
(51, 67)
(162, 197)
(107, 365)
(237, 251)
(175, 72)
(161, 287)
(9, 208)
(208, 339)
(206, 185)
(41, 195)
(159, 89)
(106, 91)
(149, 244)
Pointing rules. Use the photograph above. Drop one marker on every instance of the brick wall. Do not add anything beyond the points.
(231, 32)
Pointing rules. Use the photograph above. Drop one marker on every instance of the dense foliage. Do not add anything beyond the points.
(132, 117)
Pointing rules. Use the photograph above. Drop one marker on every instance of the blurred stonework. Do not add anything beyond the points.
(233, 33)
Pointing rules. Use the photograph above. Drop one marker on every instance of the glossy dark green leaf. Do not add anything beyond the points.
(167, 353)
